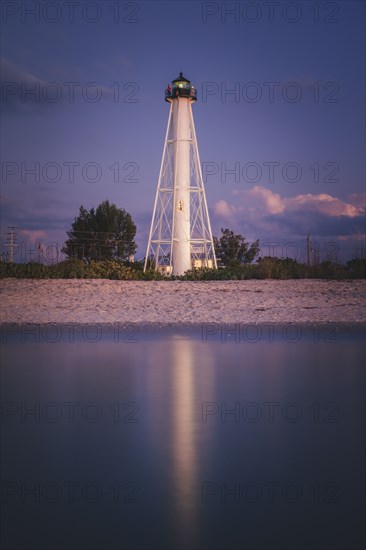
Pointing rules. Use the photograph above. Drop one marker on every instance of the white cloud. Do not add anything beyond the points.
(260, 211)
(262, 201)
(222, 209)
(33, 235)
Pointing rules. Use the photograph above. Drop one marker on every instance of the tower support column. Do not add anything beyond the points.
(181, 249)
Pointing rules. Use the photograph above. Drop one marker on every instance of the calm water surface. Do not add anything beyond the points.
(178, 441)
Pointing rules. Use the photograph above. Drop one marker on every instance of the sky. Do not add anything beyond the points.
(280, 116)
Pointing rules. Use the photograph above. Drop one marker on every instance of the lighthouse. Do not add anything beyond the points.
(180, 235)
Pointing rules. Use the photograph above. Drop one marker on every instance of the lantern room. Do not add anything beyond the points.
(181, 87)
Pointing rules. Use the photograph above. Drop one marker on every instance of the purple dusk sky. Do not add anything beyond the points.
(280, 114)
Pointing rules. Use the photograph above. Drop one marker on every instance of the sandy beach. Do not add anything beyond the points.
(182, 302)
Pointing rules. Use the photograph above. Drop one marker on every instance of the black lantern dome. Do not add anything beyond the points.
(181, 87)
(181, 79)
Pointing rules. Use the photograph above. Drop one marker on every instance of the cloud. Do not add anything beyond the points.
(33, 235)
(23, 92)
(39, 215)
(358, 199)
(10, 72)
(261, 210)
(273, 203)
(222, 209)
(265, 198)
(14, 80)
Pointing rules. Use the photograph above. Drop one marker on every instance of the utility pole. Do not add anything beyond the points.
(39, 252)
(11, 244)
(316, 253)
(308, 249)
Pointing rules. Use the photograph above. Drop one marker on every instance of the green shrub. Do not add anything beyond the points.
(265, 268)
(276, 268)
(357, 268)
(68, 269)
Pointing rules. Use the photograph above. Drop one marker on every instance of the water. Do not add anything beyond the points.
(178, 441)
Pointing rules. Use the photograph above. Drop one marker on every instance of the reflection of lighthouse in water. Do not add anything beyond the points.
(180, 235)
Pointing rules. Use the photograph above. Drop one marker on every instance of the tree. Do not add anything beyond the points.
(104, 233)
(233, 250)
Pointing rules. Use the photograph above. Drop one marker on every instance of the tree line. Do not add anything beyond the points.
(108, 233)
(101, 244)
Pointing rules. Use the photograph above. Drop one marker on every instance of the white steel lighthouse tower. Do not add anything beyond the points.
(180, 235)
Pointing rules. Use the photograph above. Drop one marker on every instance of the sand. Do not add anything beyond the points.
(182, 302)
